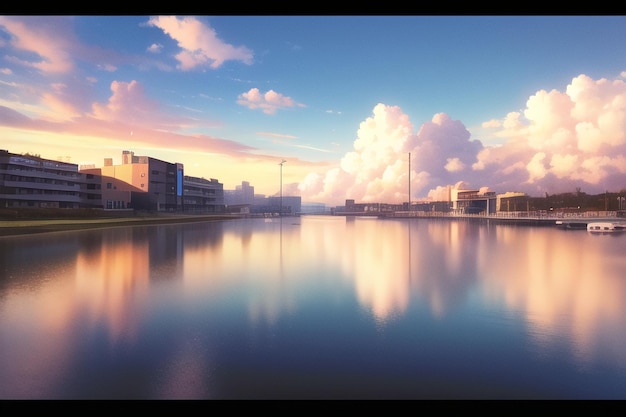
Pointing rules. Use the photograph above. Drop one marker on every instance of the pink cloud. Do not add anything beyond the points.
(128, 103)
(49, 37)
(199, 43)
(268, 102)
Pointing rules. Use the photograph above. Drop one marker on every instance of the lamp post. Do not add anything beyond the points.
(280, 213)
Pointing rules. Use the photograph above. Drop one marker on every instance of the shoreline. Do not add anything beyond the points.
(20, 227)
(28, 227)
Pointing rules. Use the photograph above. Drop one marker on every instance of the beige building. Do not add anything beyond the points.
(150, 184)
(141, 183)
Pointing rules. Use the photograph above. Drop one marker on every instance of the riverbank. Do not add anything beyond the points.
(33, 226)
(24, 226)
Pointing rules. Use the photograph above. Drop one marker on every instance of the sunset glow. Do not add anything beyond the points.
(533, 104)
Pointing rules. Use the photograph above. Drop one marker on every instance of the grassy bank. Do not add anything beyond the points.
(43, 221)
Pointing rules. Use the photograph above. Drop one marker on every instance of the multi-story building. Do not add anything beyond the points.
(29, 181)
(202, 195)
(150, 184)
(141, 183)
(242, 194)
(473, 201)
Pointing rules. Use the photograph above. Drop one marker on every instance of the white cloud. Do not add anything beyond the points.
(155, 48)
(559, 142)
(268, 102)
(454, 165)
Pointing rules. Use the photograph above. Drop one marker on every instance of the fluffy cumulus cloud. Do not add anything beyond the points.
(560, 142)
(200, 46)
(268, 102)
(386, 148)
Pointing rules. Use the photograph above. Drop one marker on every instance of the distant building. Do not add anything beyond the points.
(242, 194)
(314, 208)
(352, 208)
(28, 181)
(511, 201)
(286, 205)
(473, 201)
(241, 209)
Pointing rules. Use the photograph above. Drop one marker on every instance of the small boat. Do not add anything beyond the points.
(606, 227)
(571, 225)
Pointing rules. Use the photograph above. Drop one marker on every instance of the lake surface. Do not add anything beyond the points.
(314, 307)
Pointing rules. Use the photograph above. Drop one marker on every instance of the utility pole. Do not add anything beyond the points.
(280, 213)
(409, 183)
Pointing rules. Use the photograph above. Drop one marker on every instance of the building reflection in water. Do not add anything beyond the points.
(126, 283)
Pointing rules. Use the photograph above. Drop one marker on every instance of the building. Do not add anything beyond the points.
(285, 205)
(315, 208)
(150, 184)
(371, 209)
(473, 201)
(202, 196)
(141, 183)
(512, 201)
(242, 194)
(29, 181)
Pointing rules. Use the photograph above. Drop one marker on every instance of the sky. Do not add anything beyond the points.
(370, 108)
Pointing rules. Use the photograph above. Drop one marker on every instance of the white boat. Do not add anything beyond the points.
(606, 227)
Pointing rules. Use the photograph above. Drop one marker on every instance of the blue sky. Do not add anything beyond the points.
(514, 103)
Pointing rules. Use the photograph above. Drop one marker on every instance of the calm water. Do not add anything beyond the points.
(314, 307)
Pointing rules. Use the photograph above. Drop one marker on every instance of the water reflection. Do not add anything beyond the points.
(569, 287)
(178, 311)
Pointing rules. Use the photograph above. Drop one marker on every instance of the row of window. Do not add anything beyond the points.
(71, 174)
(116, 204)
(37, 180)
(39, 191)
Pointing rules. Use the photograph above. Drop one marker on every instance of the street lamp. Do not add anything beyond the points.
(280, 213)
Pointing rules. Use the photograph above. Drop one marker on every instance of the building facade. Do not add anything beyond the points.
(473, 201)
(202, 195)
(29, 181)
(141, 183)
(242, 194)
(149, 184)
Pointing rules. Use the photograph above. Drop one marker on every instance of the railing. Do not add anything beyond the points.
(533, 214)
